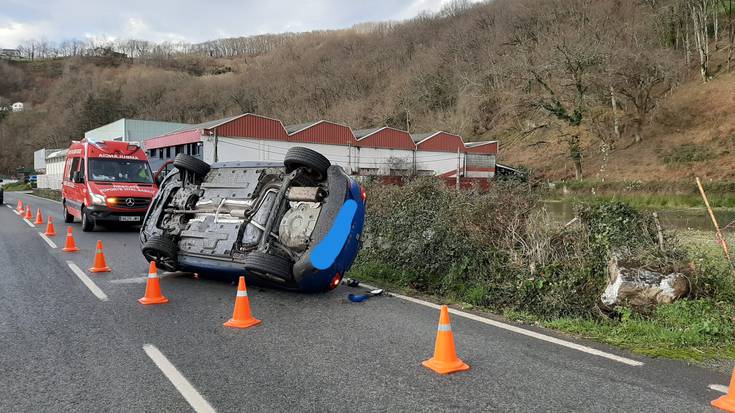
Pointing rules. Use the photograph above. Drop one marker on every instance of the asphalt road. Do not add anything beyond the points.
(65, 349)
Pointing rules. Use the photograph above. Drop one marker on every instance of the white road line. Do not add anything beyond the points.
(196, 401)
(8, 205)
(47, 239)
(16, 212)
(30, 224)
(519, 330)
(87, 281)
(718, 387)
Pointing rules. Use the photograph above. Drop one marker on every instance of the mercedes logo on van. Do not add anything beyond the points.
(130, 202)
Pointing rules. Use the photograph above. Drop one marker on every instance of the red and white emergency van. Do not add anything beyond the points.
(106, 181)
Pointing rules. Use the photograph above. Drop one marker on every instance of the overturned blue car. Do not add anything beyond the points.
(295, 225)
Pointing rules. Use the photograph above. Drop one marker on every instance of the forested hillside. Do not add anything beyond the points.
(610, 89)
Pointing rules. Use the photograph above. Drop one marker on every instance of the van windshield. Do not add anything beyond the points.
(120, 170)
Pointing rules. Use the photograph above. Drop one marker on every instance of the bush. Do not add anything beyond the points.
(688, 153)
(498, 249)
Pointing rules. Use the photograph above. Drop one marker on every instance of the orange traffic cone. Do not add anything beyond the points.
(100, 264)
(39, 217)
(28, 212)
(50, 230)
(70, 246)
(153, 288)
(727, 402)
(445, 359)
(242, 317)
(19, 208)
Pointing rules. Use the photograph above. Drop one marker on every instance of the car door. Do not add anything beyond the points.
(73, 189)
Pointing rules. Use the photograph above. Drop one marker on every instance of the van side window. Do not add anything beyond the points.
(74, 167)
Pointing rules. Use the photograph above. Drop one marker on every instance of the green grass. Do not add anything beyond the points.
(52, 194)
(647, 194)
(696, 330)
(18, 186)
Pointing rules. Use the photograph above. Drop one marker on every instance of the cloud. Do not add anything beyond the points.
(13, 33)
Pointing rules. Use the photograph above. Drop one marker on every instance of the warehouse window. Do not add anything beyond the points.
(152, 153)
(168, 152)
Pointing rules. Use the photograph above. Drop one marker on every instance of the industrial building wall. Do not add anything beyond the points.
(141, 130)
(246, 149)
(111, 131)
(441, 162)
(54, 173)
(378, 161)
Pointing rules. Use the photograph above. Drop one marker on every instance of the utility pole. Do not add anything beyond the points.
(349, 157)
(216, 158)
(456, 184)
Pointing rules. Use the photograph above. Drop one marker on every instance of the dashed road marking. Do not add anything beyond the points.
(519, 330)
(87, 281)
(196, 401)
(47, 239)
(718, 387)
(30, 224)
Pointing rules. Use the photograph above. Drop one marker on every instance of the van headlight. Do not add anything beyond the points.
(98, 199)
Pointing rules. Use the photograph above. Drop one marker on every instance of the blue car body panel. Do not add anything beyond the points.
(347, 249)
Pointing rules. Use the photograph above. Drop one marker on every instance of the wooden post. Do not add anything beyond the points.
(659, 232)
(720, 237)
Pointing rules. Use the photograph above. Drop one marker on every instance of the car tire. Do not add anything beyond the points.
(87, 222)
(163, 251)
(68, 218)
(184, 162)
(315, 162)
(261, 263)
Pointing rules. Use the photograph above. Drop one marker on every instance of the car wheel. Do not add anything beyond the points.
(184, 162)
(68, 218)
(163, 251)
(87, 222)
(315, 162)
(264, 264)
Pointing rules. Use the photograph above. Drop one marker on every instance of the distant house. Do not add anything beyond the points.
(10, 54)
(17, 107)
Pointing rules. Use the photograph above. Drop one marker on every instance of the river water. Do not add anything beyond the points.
(690, 218)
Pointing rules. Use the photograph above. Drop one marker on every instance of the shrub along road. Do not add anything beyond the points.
(66, 349)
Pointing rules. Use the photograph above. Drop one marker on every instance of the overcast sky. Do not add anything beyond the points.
(189, 20)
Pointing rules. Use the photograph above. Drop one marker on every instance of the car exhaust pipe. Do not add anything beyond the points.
(305, 194)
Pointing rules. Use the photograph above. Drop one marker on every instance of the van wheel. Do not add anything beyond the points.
(163, 251)
(68, 218)
(87, 222)
(315, 162)
(184, 162)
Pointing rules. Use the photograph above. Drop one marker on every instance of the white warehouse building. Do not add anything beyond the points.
(380, 151)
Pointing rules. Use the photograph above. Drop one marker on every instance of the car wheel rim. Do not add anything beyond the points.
(166, 262)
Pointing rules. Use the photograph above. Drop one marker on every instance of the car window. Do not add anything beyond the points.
(73, 168)
(120, 170)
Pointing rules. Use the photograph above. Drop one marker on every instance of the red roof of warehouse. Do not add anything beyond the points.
(486, 147)
(439, 141)
(323, 132)
(385, 137)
